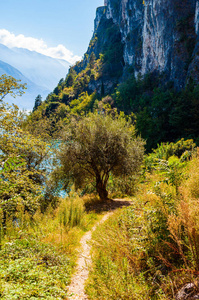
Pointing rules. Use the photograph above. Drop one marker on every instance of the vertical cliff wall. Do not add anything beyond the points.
(157, 35)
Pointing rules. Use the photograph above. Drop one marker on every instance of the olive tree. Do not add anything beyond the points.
(95, 147)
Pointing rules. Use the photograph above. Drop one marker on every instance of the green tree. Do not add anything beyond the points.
(70, 79)
(22, 168)
(10, 85)
(95, 147)
(92, 60)
(22, 164)
(38, 102)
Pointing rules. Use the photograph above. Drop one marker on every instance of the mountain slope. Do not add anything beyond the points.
(43, 70)
(157, 36)
(144, 37)
(143, 59)
(40, 72)
(27, 100)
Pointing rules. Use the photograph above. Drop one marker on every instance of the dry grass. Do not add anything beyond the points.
(150, 250)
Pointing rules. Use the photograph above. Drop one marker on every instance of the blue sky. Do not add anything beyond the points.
(55, 26)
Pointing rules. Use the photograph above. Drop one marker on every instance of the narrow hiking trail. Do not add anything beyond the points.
(76, 287)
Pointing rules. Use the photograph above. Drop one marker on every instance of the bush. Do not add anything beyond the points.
(31, 269)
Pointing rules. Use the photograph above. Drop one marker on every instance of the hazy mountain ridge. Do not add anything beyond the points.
(27, 100)
(40, 72)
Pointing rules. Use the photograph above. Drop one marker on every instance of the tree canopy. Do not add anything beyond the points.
(22, 155)
(10, 85)
(38, 102)
(95, 147)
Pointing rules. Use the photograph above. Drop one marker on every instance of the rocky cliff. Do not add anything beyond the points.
(134, 38)
(154, 36)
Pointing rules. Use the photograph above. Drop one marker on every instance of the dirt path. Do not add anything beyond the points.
(76, 288)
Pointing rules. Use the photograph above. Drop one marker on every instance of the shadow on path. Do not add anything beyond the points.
(108, 205)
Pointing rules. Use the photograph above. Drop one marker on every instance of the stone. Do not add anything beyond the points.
(188, 292)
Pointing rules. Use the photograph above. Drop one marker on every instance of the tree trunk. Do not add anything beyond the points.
(101, 189)
(4, 219)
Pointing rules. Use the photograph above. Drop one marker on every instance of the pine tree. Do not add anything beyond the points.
(38, 102)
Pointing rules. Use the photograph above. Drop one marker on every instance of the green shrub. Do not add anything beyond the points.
(31, 269)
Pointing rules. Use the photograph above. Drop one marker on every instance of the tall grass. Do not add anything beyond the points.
(150, 250)
(118, 257)
(184, 226)
(38, 252)
(71, 212)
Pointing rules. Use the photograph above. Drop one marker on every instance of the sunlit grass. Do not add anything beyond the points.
(151, 249)
(39, 252)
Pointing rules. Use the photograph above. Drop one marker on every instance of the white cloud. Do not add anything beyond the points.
(20, 41)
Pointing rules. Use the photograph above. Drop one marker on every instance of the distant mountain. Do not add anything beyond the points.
(40, 72)
(27, 100)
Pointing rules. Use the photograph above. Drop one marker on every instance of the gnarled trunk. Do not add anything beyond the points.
(101, 189)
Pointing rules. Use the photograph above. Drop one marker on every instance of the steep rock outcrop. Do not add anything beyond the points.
(157, 35)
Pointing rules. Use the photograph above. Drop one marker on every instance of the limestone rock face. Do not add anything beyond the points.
(157, 35)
